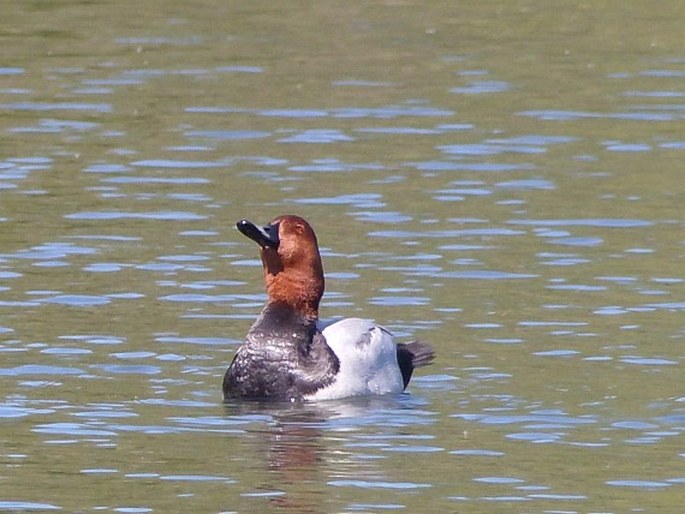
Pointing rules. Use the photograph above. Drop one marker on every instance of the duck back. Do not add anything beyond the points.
(285, 357)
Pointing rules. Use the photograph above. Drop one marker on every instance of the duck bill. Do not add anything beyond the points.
(266, 237)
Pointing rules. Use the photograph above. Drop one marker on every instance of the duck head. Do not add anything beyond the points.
(293, 271)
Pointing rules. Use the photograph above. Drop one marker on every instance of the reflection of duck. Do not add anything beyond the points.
(305, 445)
(286, 356)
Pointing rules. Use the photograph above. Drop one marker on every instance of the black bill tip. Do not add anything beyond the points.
(266, 237)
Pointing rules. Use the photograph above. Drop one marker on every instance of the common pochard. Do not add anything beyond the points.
(287, 355)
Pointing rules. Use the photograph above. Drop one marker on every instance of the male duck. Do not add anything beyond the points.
(286, 356)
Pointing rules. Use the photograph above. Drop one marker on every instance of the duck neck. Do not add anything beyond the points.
(302, 296)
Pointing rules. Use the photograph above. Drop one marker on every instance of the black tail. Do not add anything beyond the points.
(413, 355)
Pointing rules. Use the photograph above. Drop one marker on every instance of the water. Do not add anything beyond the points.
(501, 179)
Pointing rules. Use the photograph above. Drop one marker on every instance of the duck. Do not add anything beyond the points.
(289, 354)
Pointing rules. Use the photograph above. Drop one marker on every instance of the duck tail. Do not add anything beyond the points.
(413, 354)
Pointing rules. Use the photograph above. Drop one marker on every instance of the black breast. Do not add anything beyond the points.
(284, 357)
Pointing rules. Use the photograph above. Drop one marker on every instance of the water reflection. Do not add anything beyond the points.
(304, 444)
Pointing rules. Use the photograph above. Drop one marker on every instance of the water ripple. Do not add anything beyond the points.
(369, 484)
(37, 369)
(584, 222)
(317, 136)
(228, 135)
(117, 215)
(446, 234)
(21, 506)
(57, 106)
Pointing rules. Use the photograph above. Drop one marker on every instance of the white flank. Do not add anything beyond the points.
(368, 360)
